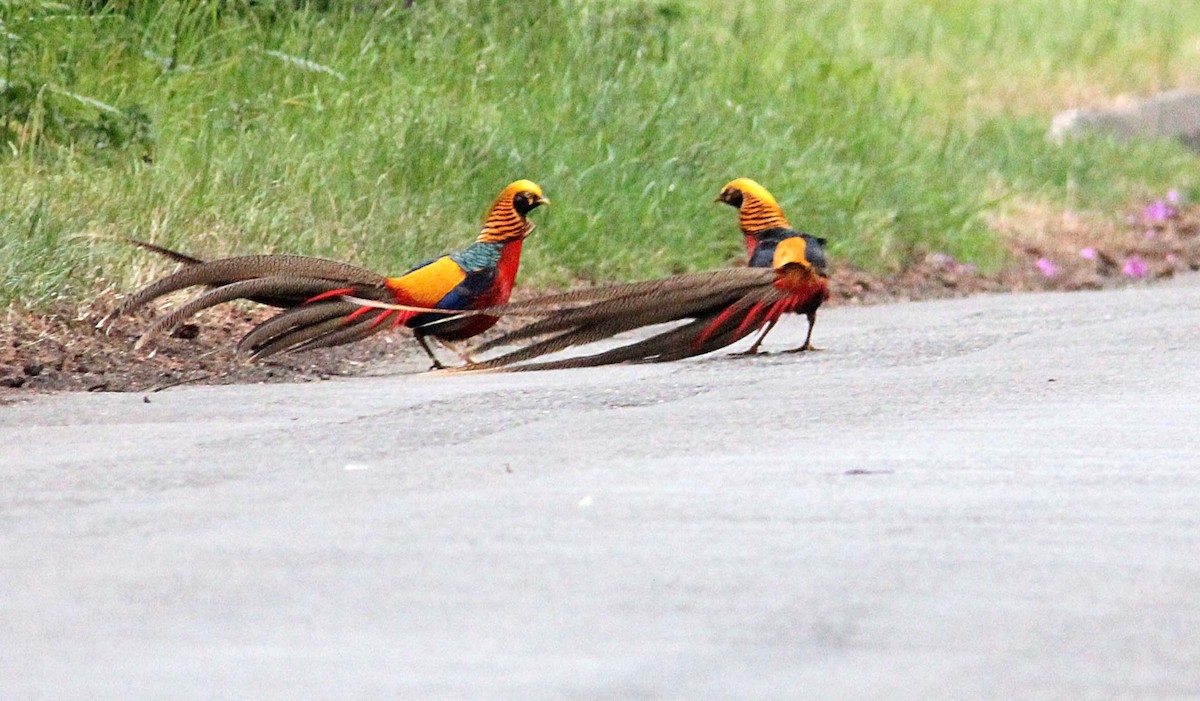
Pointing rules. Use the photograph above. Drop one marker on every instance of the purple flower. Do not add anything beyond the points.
(1134, 267)
(1047, 267)
(1173, 197)
(1088, 253)
(1158, 212)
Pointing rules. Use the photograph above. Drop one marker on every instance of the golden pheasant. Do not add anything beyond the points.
(763, 225)
(311, 290)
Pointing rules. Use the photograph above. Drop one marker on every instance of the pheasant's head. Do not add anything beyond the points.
(526, 196)
(506, 219)
(758, 209)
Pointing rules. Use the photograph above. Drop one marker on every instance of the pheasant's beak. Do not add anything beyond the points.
(543, 200)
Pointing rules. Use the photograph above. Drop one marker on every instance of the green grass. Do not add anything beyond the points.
(379, 134)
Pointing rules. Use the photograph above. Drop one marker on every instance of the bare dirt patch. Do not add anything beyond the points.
(61, 349)
(1050, 250)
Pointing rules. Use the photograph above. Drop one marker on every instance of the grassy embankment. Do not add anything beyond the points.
(379, 134)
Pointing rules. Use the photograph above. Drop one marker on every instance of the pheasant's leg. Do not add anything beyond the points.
(808, 346)
(462, 354)
(758, 342)
(437, 364)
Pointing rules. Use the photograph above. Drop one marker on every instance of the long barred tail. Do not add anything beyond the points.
(703, 334)
(281, 280)
(718, 309)
(332, 274)
(322, 324)
(244, 289)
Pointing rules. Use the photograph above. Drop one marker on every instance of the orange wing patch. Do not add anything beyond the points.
(427, 285)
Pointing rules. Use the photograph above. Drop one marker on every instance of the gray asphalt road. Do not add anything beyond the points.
(989, 498)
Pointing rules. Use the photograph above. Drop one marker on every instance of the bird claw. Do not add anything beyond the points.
(804, 348)
(750, 351)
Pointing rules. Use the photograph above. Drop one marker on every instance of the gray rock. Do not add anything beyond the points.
(1174, 115)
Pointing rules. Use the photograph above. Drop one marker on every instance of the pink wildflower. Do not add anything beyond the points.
(1047, 267)
(1158, 212)
(1134, 267)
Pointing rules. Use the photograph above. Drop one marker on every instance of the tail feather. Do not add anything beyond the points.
(647, 289)
(618, 315)
(350, 332)
(296, 337)
(714, 320)
(658, 348)
(285, 322)
(629, 306)
(227, 270)
(720, 310)
(554, 344)
(273, 285)
(322, 325)
(166, 252)
(277, 300)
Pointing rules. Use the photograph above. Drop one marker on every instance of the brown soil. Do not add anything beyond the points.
(62, 350)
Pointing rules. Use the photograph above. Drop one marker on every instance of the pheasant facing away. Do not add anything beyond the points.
(764, 226)
(311, 290)
(786, 274)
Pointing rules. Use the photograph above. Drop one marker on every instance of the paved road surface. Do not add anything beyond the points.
(990, 498)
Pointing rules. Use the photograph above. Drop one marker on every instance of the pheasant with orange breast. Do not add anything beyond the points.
(313, 291)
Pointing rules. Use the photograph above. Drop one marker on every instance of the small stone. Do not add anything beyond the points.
(33, 369)
(1173, 115)
(13, 382)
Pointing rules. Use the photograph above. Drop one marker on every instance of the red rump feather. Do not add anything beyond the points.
(748, 322)
(356, 313)
(331, 293)
(712, 328)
